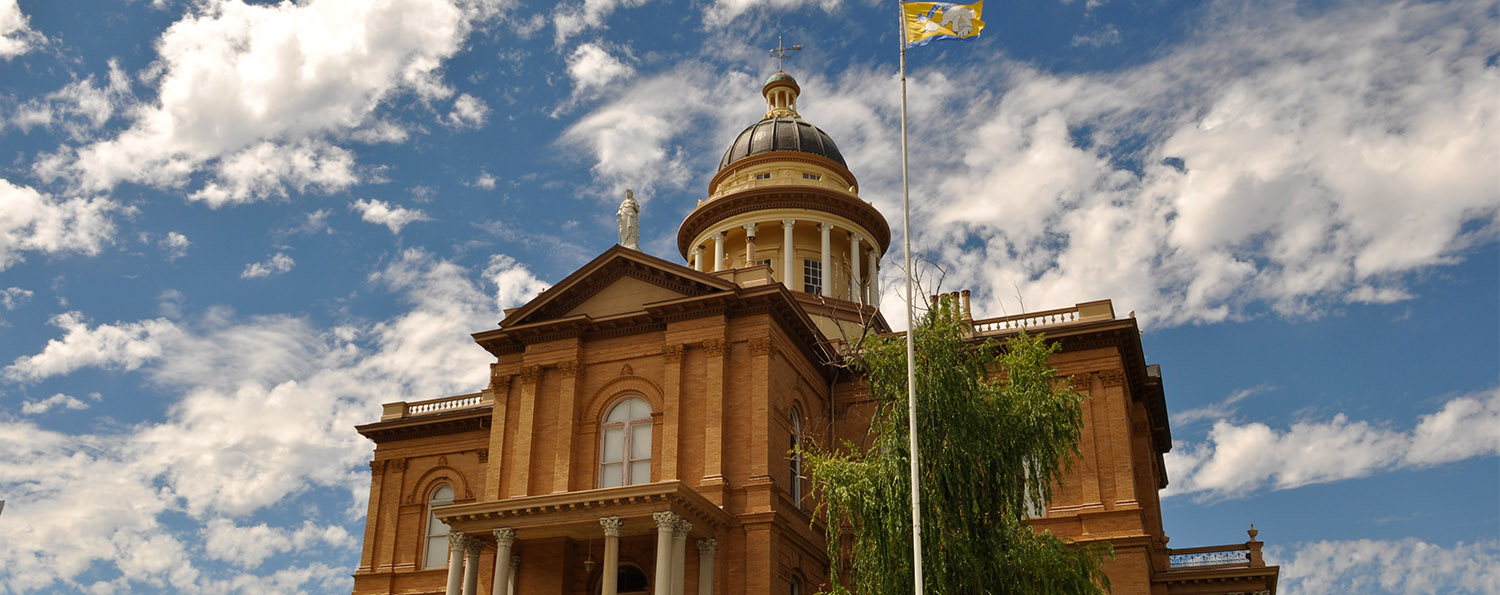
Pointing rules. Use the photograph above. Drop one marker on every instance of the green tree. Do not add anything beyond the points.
(995, 431)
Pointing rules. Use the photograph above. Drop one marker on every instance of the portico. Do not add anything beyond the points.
(671, 512)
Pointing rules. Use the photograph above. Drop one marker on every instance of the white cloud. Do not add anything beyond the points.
(724, 12)
(80, 107)
(588, 14)
(265, 410)
(485, 181)
(175, 244)
(14, 297)
(238, 83)
(125, 346)
(468, 112)
(247, 547)
(592, 67)
(1219, 410)
(16, 36)
(1241, 458)
(380, 212)
(275, 265)
(1405, 566)
(31, 221)
(634, 144)
(58, 400)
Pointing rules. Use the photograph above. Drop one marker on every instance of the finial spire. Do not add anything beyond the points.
(780, 52)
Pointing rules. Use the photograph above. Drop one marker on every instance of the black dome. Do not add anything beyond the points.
(781, 134)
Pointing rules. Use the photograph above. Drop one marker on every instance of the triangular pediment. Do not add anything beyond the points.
(619, 281)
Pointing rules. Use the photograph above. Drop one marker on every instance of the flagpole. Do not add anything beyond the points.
(911, 330)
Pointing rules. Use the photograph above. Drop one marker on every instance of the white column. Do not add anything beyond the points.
(787, 273)
(679, 555)
(471, 565)
(874, 280)
(826, 228)
(665, 522)
(750, 243)
(612, 526)
(504, 539)
(718, 251)
(698, 258)
(456, 542)
(706, 549)
(515, 569)
(855, 291)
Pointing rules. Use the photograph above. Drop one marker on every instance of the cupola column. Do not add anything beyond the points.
(874, 280)
(718, 251)
(750, 243)
(856, 290)
(787, 226)
(698, 258)
(612, 526)
(827, 229)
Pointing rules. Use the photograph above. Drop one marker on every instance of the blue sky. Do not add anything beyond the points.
(229, 231)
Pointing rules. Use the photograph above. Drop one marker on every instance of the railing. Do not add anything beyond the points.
(404, 409)
(1231, 555)
(1085, 312)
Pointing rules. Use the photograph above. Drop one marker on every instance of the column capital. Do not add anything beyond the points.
(457, 540)
(681, 527)
(788, 222)
(666, 520)
(472, 546)
(504, 536)
(696, 250)
(718, 235)
(707, 547)
(612, 525)
(750, 228)
(825, 226)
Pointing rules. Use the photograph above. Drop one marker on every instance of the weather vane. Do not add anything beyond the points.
(780, 52)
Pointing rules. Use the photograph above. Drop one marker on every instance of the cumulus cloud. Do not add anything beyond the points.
(1239, 459)
(79, 108)
(58, 400)
(16, 36)
(592, 67)
(380, 212)
(468, 112)
(634, 144)
(724, 12)
(31, 221)
(175, 244)
(1408, 566)
(264, 413)
(275, 265)
(14, 297)
(254, 92)
(485, 181)
(589, 14)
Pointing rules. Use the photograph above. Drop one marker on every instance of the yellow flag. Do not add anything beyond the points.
(933, 21)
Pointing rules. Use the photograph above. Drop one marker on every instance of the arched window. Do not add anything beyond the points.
(796, 456)
(436, 554)
(625, 454)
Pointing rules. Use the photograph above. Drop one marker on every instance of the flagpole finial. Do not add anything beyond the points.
(780, 52)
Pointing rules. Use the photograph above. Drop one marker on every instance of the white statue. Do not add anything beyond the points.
(629, 219)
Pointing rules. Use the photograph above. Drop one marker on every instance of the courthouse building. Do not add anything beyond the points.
(635, 433)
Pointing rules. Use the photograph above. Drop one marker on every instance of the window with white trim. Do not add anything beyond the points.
(812, 276)
(625, 444)
(436, 554)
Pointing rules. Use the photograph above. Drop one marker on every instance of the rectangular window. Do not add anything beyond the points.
(812, 276)
(811, 177)
(764, 261)
(762, 176)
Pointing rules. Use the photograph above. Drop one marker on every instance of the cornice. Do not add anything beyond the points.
(784, 197)
(437, 424)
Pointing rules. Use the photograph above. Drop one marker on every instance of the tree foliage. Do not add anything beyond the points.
(995, 431)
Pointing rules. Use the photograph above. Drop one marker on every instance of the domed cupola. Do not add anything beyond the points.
(785, 200)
